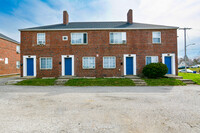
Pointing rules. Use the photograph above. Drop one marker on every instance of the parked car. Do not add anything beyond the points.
(188, 71)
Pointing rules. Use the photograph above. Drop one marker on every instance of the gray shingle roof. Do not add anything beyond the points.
(8, 38)
(99, 25)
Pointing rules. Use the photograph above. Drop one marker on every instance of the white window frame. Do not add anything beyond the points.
(43, 41)
(109, 63)
(89, 57)
(151, 57)
(18, 49)
(82, 43)
(6, 60)
(113, 38)
(153, 37)
(18, 64)
(46, 63)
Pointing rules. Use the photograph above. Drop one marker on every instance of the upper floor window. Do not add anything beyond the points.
(88, 62)
(40, 38)
(78, 38)
(151, 59)
(156, 37)
(109, 62)
(45, 63)
(117, 37)
(18, 49)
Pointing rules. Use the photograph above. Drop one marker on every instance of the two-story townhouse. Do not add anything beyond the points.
(9, 56)
(96, 49)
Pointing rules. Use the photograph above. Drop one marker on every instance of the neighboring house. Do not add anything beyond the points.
(182, 64)
(9, 56)
(96, 49)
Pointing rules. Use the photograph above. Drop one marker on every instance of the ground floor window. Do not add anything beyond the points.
(151, 59)
(109, 62)
(45, 63)
(88, 62)
(17, 64)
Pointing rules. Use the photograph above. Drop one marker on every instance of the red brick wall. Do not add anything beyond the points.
(139, 42)
(8, 50)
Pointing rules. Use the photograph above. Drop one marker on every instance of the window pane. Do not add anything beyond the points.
(109, 62)
(148, 60)
(154, 59)
(118, 37)
(78, 38)
(49, 63)
(88, 62)
(40, 38)
(156, 37)
(43, 63)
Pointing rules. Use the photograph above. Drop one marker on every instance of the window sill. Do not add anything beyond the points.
(156, 43)
(79, 44)
(40, 44)
(109, 68)
(45, 69)
(118, 43)
(89, 68)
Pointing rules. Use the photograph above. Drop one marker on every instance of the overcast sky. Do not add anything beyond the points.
(17, 14)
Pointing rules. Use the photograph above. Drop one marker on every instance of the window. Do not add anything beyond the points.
(6, 60)
(17, 64)
(40, 38)
(18, 49)
(151, 59)
(156, 37)
(88, 62)
(46, 63)
(109, 62)
(78, 38)
(117, 37)
(65, 38)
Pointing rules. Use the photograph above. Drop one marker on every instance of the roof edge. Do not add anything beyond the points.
(16, 42)
(97, 29)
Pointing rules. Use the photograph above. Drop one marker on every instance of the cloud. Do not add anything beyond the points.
(181, 13)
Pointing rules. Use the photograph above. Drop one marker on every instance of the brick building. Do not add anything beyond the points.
(96, 49)
(9, 56)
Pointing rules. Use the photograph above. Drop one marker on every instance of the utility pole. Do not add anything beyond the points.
(185, 29)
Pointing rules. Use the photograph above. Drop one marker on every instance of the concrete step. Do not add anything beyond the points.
(12, 82)
(132, 76)
(139, 82)
(173, 76)
(187, 81)
(61, 81)
(26, 77)
(66, 77)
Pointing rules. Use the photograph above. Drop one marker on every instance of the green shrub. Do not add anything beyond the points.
(155, 70)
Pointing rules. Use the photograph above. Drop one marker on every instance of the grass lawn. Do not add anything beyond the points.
(163, 82)
(195, 69)
(192, 76)
(100, 82)
(37, 82)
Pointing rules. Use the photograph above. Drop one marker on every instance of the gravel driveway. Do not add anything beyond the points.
(59, 109)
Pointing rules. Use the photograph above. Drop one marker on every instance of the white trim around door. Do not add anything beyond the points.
(173, 61)
(25, 64)
(63, 63)
(134, 63)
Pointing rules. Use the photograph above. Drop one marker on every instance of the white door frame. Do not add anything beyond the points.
(25, 64)
(173, 61)
(63, 63)
(134, 63)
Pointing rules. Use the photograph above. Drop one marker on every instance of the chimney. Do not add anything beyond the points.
(65, 17)
(130, 16)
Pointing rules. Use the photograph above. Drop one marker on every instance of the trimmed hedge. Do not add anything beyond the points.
(155, 70)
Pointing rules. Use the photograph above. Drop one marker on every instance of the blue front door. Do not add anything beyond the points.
(68, 66)
(30, 67)
(168, 62)
(129, 65)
